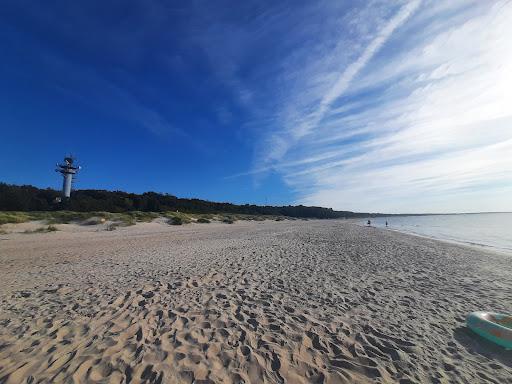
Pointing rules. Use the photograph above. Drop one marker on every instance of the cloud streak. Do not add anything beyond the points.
(428, 119)
(353, 69)
(282, 142)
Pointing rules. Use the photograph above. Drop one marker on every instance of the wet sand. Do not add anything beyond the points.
(252, 302)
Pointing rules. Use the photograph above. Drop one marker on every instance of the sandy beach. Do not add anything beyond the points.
(252, 302)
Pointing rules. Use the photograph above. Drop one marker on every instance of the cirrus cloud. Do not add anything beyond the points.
(419, 121)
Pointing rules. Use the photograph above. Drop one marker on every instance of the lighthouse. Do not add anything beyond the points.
(68, 171)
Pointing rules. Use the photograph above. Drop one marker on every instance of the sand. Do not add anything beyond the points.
(252, 302)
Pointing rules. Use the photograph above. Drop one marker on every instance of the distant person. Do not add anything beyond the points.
(386, 223)
(369, 223)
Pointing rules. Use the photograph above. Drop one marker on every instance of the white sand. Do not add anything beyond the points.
(266, 302)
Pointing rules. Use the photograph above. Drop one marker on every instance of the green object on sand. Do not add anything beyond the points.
(495, 327)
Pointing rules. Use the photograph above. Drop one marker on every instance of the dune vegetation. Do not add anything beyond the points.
(124, 219)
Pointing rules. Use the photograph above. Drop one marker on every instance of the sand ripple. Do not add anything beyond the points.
(315, 302)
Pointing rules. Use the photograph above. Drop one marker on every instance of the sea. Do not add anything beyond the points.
(489, 230)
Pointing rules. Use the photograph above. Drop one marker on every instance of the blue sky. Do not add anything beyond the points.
(370, 106)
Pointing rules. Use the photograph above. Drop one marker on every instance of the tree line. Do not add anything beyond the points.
(29, 198)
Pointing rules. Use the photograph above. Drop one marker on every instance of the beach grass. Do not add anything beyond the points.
(175, 220)
(45, 229)
(14, 217)
(228, 220)
(124, 219)
(182, 218)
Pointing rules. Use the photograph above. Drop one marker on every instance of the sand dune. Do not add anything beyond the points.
(270, 302)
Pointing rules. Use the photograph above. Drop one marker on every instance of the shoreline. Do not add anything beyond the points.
(263, 302)
(473, 245)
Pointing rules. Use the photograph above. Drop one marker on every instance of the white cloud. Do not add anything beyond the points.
(421, 123)
(303, 125)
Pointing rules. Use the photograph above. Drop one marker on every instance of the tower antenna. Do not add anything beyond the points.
(68, 171)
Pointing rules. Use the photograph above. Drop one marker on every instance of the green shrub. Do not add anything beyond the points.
(145, 217)
(128, 222)
(124, 220)
(49, 228)
(185, 219)
(13, 217)
(175, 220)
(65, 217)
(228, 220)
(203, 220)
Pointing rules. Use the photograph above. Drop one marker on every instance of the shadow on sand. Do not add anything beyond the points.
(477, 345)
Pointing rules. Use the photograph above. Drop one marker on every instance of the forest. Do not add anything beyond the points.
(28, 198)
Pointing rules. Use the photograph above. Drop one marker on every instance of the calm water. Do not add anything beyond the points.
(483, 229)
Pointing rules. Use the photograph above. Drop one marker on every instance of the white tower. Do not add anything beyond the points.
(68, 171)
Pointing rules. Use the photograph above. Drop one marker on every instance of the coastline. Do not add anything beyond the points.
(289, 301)
(473, 245)
(467, 243)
